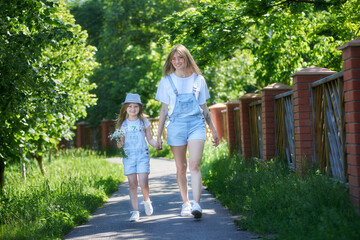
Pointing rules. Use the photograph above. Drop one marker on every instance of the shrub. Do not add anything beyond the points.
(43, 207)
(272, 199)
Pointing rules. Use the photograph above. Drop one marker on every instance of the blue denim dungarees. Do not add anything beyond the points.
(136, 149)
(186, 121)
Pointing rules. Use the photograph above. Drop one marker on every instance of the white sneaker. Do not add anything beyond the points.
(148, 207)
(196, 209)
(135, 216)
(185, 209)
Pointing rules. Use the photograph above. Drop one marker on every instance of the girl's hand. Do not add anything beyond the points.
(121, 143)
(158, 144)
(215, 139)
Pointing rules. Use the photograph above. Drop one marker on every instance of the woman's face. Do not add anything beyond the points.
(133, 110)
(178, 62)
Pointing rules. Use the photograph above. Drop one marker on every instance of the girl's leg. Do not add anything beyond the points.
(181, 166)
(144, 185)
(196, 148)
(133, 186)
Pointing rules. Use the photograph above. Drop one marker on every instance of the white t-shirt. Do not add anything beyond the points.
(135, 125)
(165, 92)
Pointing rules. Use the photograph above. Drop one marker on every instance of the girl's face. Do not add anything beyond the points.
(133, 110)
(178, 62)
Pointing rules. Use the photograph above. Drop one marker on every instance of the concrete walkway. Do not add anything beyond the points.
(111, 220)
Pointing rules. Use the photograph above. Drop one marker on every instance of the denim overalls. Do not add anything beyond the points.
(136, 149)
(186, 121)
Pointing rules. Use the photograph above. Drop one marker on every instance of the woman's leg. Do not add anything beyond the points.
(133, 186)
(181, 166)
(144, 185)
(196, 148)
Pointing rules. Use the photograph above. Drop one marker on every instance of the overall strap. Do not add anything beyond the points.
(173, 86)
(124, 124)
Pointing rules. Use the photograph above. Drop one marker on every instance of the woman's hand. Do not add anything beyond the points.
(121, 143)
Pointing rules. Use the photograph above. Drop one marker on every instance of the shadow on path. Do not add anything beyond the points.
(111, 220)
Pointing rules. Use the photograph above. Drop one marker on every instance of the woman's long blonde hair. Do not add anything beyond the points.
(123, 115)
(184, 52)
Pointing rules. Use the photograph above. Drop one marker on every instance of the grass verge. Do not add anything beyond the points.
(272, 200)
(47, 207)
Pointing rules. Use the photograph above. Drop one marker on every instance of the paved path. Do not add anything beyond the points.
(111, 220)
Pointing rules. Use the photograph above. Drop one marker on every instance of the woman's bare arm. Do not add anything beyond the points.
(162, 119)
(207, 117)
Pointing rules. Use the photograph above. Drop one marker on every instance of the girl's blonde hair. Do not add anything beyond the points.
(184, 52)
(124, 115)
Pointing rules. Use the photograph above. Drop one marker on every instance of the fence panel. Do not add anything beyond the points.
(237, 128)
(224, 125)
(256, 129)
(329, 126)
(284, 127)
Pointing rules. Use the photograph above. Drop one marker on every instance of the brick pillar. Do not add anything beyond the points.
(105, 132)
(245, 122)
(215, 111)
(230, 124)
(268, 117)
(80, 134)
(351, 67)
(303, 119)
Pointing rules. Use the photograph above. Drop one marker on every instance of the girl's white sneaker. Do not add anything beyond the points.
(135, 216)
(148, 207)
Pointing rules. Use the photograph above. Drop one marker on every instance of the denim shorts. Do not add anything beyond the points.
(140, 163)
(182, 130)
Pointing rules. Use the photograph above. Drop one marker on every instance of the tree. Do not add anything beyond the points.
(45, 65)
(129, 56)
(282, 35)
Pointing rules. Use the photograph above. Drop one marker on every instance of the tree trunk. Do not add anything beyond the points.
(23, 170)
(39, 159)
(41, 164)
(2, 177)
(50, 151)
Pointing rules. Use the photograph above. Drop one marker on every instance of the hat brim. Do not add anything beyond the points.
(133, 102)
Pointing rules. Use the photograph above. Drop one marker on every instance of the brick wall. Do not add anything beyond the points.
(351, 67)
(303, 119)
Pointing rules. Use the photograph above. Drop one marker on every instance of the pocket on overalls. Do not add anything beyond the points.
(185, 105)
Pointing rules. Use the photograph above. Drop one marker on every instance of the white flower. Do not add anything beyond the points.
(117, 135)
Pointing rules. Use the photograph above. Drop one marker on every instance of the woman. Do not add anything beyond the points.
(183, 93)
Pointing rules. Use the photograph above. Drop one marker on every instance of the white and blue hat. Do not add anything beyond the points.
(133, 98)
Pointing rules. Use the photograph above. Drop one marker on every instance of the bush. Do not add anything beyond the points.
(272, 199)
(165, 152)
(47, 207)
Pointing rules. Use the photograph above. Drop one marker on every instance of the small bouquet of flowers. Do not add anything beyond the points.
(117, 135)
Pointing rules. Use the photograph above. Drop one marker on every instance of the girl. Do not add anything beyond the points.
(183, 93)
(137, 161)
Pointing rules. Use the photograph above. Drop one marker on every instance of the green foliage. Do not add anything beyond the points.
(271, 199)
(78, 182)
(130, 59)
(44, 70)
(283, 36)
(165, 152)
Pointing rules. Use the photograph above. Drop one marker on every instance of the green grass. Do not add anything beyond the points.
(47, 207)
(271, 199)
